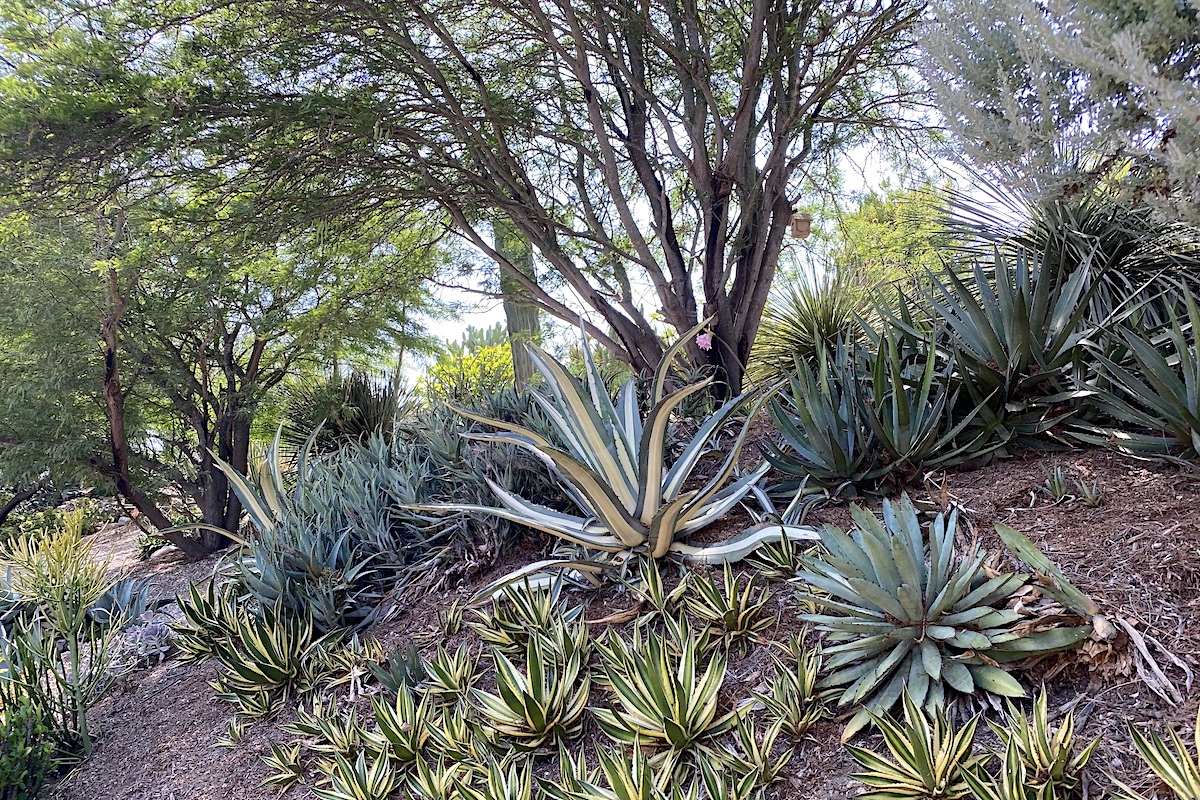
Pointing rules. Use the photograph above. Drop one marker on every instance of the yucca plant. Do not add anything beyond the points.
(267, 655)
(792, 698)
(875, 415)
(664, 699)
(752, 759)
(905, 610)
(630, 776)
(286, 766)
(614, 464)
(543, 704)
(804, 317)
(929, 757)
(1016, 330)
(403, 670)
(733, 611)
(1034, 764)
(361, 780)
(1171, 763)
(326, 729)
(436, 781)
(449, 676)
(651, 592)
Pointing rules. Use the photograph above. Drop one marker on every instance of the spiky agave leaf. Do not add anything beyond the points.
(928, 757)
(544, 703)
(905, 611)
(732, 610)
(663, 697)
(1172, 762)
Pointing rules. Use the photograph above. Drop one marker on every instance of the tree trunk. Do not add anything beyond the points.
(20, 497)
(523, 324)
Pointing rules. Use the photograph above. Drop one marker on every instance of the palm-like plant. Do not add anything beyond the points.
(906, 612)
(614, 464)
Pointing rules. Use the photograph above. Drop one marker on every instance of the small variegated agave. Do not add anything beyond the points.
(903, 609)
(613, 462)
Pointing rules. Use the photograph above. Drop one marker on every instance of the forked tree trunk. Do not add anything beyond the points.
(524, 326)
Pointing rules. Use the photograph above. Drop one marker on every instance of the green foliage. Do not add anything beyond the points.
(480, 364)
(1170, 761)
(405, 726)
(360, 780)
(1035, 763)
(57, 654)
(613, 460)
(342, 409)
(868, 418)
(520, 611)
(26, 749)
(208, 617)
(544, 704)
(733, 611)
(792, 699)
(402, 671)
(804, 318)
(664, 699)
(1157, 390)
(907, 612)
(267, 659)
(928, 757)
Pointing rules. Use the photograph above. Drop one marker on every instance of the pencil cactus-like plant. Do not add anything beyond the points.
(613, 461)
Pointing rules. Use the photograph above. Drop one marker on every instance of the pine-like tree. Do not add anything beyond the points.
(1061, 96)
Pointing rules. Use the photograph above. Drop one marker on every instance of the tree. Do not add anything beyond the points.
(650, 152)
(1060, 96)
(179, 340)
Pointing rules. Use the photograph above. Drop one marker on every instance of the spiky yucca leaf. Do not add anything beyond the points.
(928, 757)
(514, 783)
(1050, 765)
(907, 612)
(208, 617)
(450, 675)
(520, 611)
(286, 767)
(732, 610)
(544, 703)
(1171, 762)
(404, 726)
(663, 697)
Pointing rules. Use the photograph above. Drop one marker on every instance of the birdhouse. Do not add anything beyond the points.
(801, 225)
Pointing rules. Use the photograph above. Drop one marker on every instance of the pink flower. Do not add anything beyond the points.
(704, 341)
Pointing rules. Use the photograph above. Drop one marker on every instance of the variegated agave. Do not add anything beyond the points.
(904, 610)
(614, 465)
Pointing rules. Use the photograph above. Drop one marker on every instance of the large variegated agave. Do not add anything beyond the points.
(613, 462)
(904, 610)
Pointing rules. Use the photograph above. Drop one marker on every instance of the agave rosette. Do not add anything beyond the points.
(902, 609)
(613, 462)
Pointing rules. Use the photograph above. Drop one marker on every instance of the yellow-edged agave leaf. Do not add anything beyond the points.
(536, 576)
(1172, 763)
(736, 548)
(661, 375)
(652, 451)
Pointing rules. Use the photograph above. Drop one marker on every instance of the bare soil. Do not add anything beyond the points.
(1137, 554)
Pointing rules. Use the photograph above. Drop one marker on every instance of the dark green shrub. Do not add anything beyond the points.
(26, 751)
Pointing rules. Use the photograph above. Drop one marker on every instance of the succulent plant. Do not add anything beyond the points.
(613, 462)
(905, 611)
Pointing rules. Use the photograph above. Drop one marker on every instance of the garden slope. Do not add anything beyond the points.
(1137, 554)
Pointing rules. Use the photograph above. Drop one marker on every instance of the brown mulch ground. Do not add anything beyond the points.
(1137, 554)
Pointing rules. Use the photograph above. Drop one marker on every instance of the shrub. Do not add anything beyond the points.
(906, 612)
(26, 749)
(58, 653)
